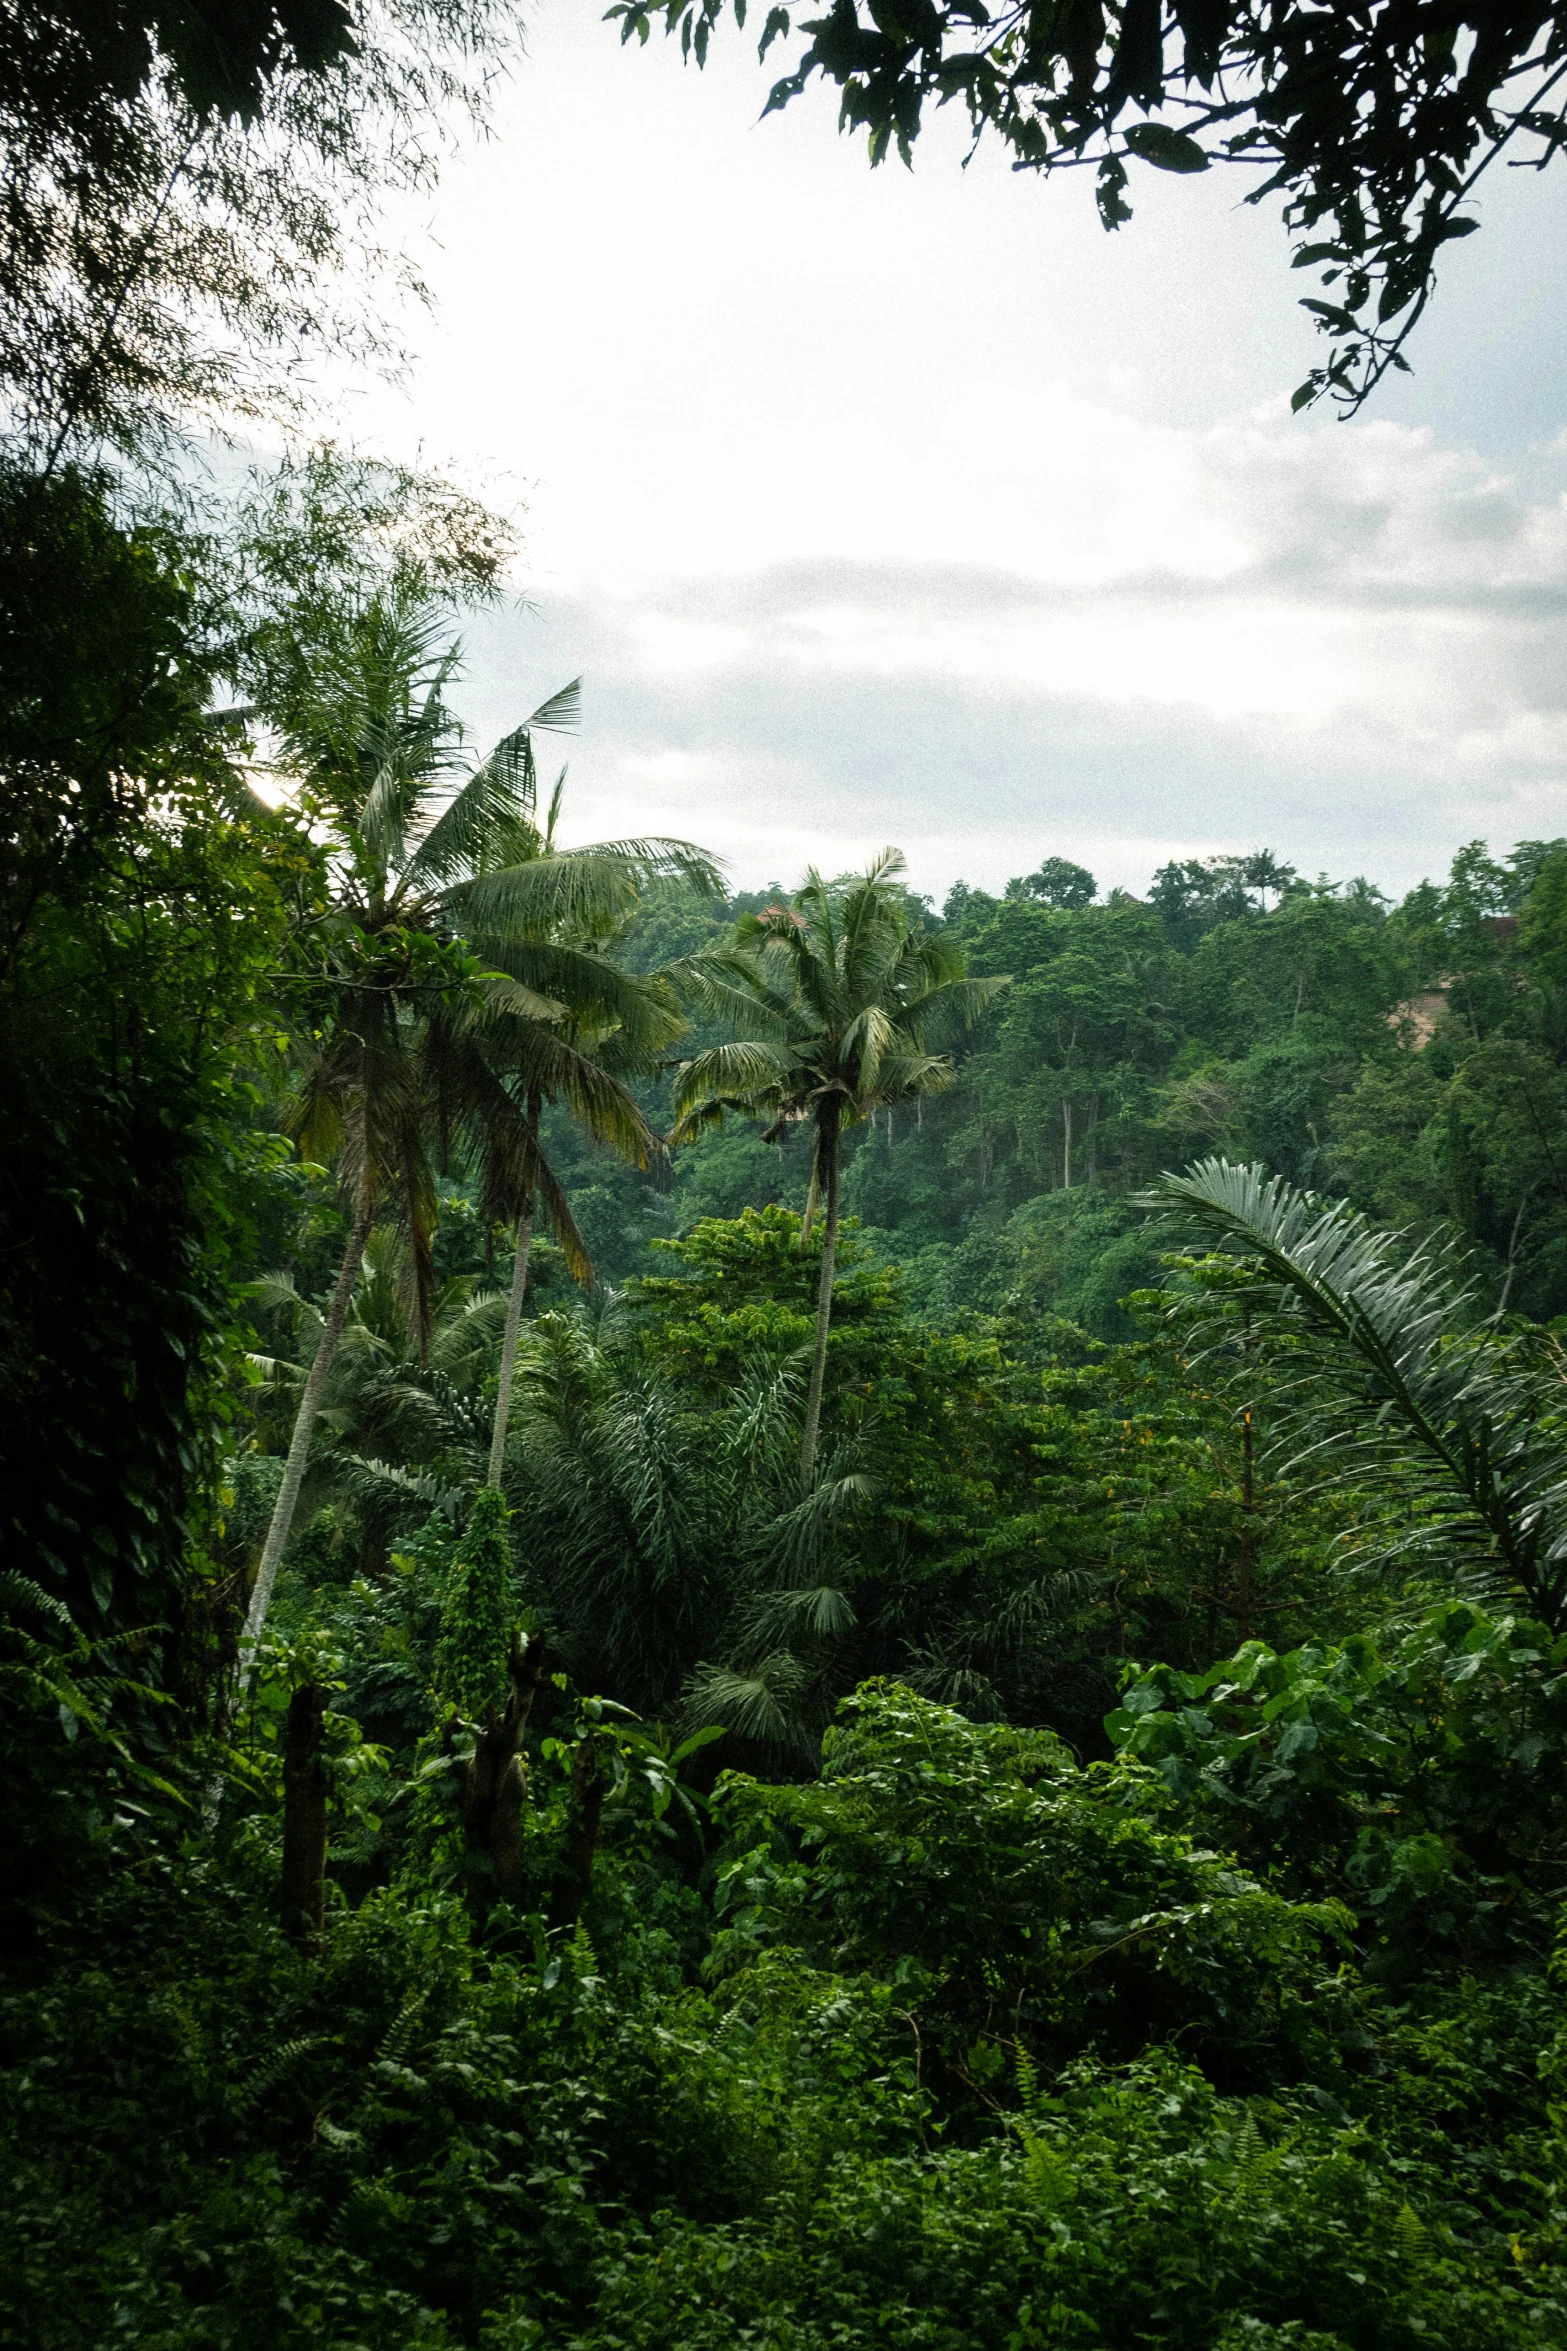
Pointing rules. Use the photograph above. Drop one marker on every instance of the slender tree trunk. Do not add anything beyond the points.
(304, 1818)
(575, 1883)
(1243, 1596)
(299, 1449)
(827, 1160)
(1512, 1257)
(1066, 1132)
(519, 1284)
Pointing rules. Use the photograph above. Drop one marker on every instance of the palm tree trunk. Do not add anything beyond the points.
(827, 1163)
(299, 1449)
(519, 1284)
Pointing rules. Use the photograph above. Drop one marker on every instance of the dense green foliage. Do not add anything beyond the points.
(1408, 1058)
(977, 1771)
(1080, 1868)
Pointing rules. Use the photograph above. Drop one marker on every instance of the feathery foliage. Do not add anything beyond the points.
(1388, 1378)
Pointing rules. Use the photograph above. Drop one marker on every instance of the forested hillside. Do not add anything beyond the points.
(1404, 1056)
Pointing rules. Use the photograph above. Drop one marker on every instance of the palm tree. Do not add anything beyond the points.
(421, 860)
(837, 1000)
(613, 1025)
(406, 1429)
(669, 1546)
(1390, 1377)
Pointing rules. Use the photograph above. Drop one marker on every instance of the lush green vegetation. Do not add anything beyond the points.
(979, 1767)
(686, 1659)
(1406, 1057)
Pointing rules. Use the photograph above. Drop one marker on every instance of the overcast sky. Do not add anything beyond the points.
(888, 507)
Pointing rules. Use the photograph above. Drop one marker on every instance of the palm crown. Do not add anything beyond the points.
(843, 1004)
(460, 950)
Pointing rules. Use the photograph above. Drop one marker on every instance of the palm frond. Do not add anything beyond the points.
(760, 1706)
(1383, 1382)
(559, 714)
(734, 988)
(751, 1074)
(492, 807)
(948, 1007)
(638, 1011)
(277, 1293)
(365, 1480)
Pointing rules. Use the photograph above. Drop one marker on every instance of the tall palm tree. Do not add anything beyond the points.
(423, 859)
(838, 1000)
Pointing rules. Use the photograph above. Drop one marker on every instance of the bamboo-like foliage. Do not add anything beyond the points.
(1388, 1377)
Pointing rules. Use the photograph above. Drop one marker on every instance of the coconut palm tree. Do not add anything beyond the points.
(840, 1002)
(405, 1034)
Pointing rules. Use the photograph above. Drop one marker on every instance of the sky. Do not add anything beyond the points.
(890, 507)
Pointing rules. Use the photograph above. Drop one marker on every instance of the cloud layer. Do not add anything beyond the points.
(1343, 642)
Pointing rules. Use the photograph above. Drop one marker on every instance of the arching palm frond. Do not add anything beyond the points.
(1387, 1379)
(739, 990)
(635, 1012)
(755, 1076)
(498, 799)
(762, 1707)
(589, 892)
(277, 1293)
(387, 1484)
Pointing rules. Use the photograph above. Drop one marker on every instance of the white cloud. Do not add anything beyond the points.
(1373, 676)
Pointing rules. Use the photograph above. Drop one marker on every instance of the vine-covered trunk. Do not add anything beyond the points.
(299, 1448)
(495, 1787)
(575, 1882)
(519, 1284)
(303, 1905)
(827, 1168)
